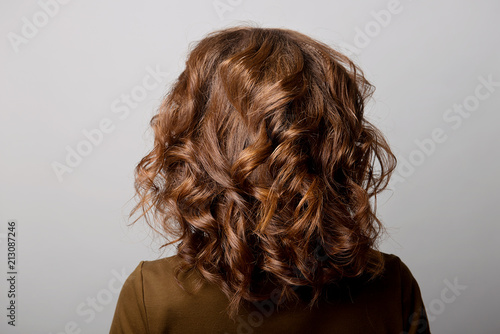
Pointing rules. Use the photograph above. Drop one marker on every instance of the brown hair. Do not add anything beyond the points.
(263, 165)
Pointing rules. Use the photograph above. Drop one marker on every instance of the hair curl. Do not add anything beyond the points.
(263, 166)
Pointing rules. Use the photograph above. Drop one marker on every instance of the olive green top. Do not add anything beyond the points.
(151, 302)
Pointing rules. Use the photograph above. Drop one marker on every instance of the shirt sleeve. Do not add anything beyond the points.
(130, 313)
(414, 314)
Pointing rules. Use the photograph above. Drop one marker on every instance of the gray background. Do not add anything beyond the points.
(74, 72)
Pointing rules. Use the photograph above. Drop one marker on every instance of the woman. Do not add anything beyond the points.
(262, 170)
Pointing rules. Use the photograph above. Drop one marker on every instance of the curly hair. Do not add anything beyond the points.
(263, 166)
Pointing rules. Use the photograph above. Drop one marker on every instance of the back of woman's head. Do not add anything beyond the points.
(263, 165)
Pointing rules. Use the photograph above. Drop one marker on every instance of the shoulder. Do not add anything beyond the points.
(152, 275)
(398, 273)
(160, 282)
(169, 301)
(148, 268)
(134, 280)
(392, 261)
(392, 283)
(395, 267)
(141, 305)
(130, 313)
(161, 266)
(412, 305)
(163, 272)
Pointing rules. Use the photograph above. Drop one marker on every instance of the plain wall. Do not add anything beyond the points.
(68, 68)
